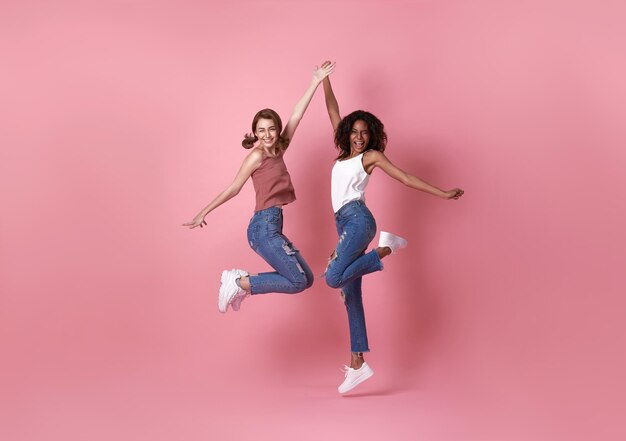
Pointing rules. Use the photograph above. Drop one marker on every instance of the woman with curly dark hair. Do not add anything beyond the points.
(361, 140)
(272, 184)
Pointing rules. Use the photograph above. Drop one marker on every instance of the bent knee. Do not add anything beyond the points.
(333, 281)
(300, 284)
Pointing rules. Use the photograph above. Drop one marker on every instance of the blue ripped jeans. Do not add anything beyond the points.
(265, 235)
(356, 228)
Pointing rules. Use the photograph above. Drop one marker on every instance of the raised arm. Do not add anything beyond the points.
(298, 111)
(251, 163)
(374, 159)
(331, 102)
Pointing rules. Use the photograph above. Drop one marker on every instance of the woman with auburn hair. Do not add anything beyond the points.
(361, 140)
(272, 184)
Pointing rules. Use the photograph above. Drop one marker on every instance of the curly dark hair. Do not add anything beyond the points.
(282, 143)
(378, 137)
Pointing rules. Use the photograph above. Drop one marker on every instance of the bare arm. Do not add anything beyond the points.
(298, 111)
(331, 102)
(250, 164)
(374, 159)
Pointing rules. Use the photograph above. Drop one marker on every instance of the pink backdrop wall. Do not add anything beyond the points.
(502, 320)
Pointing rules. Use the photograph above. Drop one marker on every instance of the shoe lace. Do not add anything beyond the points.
(345, 369)
(238, 298)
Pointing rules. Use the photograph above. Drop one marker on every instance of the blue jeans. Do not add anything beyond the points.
(356, 228)
(265, 235)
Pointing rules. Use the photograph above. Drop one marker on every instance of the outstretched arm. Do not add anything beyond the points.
(374, 159)
(251, 163)
(298, 111)
(331, 102)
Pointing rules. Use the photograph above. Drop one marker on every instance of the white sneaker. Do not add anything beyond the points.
(392, 241)
(235, 304)
(354, 377)
(228, 289)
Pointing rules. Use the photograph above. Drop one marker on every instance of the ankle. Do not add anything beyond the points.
(357, 360)
(392, 241)
(383, 252)
(244, 283)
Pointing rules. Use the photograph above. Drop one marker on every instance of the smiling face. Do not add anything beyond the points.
(267, 132)
(357, 132)
(359, 137)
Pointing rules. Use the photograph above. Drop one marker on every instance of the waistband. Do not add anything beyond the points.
(349, 207)
(269, 210)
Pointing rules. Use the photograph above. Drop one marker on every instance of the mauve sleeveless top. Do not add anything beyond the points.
(272, 183)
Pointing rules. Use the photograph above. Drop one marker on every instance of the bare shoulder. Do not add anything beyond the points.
(374, 155)
(254, 159)
(255, 155)
(371, 158)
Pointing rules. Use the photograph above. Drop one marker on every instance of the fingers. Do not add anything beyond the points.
(194, 224)
(455, 193)
(326, 69)
(328, 66)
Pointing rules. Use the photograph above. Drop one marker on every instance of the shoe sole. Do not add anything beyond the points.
(222, 301)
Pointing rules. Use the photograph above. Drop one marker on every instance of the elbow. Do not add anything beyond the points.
(296, 117)
(406, 180)
(231, 192)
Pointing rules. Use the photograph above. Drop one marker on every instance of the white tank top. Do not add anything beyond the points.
(348, 182)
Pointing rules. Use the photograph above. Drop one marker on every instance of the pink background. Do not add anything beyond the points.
(503, 320)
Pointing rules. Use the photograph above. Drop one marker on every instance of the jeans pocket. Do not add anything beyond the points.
(253, 235)
(370, 227)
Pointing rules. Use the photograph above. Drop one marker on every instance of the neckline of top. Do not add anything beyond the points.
(349, 159)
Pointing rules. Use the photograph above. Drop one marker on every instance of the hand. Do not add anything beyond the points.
(455, 193)
(322, 72)
(326, 64)
(197, 221)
